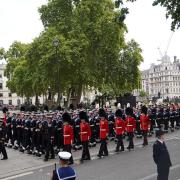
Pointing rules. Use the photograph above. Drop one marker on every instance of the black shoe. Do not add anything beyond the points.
(45, 159)
(99, 155)
(122, 150)
(52, 157)
(105, 154)
(117, 150)
(81, 160)
(4, 158)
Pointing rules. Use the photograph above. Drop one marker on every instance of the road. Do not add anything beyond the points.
(133, 165)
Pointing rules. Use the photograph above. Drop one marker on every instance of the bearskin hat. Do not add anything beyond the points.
(66, 117)
(129, 111)
(118, 113)
(83, 115)
(144, 109)
(102, 113)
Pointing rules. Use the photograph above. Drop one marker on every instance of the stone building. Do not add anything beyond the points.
(162, 80)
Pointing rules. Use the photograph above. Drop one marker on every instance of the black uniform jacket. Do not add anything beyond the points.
(161, 155)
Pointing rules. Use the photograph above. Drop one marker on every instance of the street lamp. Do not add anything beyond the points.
(56, 44)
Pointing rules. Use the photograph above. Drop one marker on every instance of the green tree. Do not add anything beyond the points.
(172, 11)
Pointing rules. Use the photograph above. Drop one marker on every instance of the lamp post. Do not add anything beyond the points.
(56, 44)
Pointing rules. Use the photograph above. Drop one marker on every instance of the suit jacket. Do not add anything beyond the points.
(161, 155)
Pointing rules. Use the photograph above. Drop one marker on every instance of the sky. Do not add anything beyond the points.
(20, 20)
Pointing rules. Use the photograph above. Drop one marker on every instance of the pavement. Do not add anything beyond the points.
(133, 165)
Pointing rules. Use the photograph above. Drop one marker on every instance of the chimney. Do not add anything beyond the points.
(175, 59)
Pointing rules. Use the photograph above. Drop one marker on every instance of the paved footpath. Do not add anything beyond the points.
(20, 164)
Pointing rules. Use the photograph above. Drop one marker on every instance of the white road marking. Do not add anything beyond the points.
(155, 174)
(17, 176)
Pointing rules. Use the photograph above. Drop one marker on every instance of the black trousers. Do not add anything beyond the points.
(163, 173)
(85, 151)
(103, 148)
(119, 142)
(130, 137)
(48, 145)
(145, 140)
(3, 150)
(68, 149)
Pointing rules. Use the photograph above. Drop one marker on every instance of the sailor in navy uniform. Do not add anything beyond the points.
(161, 156)
(64, 172)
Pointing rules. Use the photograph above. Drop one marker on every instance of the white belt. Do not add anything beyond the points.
(102, 129)
(129, 125)
(118, 127)
(84, 132)
(66, 135)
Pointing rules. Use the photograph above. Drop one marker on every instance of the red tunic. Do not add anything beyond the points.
(68, 134)
(104, 129)
(85, 131)
(119, 126)
(130, 124)
(144, 122)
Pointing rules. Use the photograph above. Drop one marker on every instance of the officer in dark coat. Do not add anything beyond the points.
(48, 137)
(2, 139)
(161, 156)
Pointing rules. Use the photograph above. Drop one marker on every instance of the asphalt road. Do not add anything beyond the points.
(133, 165)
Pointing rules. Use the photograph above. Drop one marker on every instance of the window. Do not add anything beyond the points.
(10, 95)
(10, 102)
(18, 102)
(1, 94)
(1, 102)
(0, 75)
(1, 85)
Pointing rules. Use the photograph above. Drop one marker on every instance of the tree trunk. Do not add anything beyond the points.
(37, 101)
(79, 94)
(69, 96)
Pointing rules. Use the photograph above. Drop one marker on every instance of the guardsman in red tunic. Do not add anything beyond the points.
(145, 124)
(119, 130)
(130, 126)
(68, 134)
(85, 134)
(104, 131)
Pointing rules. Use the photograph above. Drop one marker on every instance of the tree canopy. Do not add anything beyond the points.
(90, 52)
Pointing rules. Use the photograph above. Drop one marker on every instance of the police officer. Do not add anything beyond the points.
(2, 139)
(161, 156)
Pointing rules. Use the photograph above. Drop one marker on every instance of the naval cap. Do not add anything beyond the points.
(64, 155)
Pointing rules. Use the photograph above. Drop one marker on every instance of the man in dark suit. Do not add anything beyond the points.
(161, 156)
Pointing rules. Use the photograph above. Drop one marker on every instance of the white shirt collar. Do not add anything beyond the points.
(160, 141)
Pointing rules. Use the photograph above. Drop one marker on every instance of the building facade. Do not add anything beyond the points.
(162, 80)
(8, 98)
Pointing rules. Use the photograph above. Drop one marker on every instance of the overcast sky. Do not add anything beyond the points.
(147, 25)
